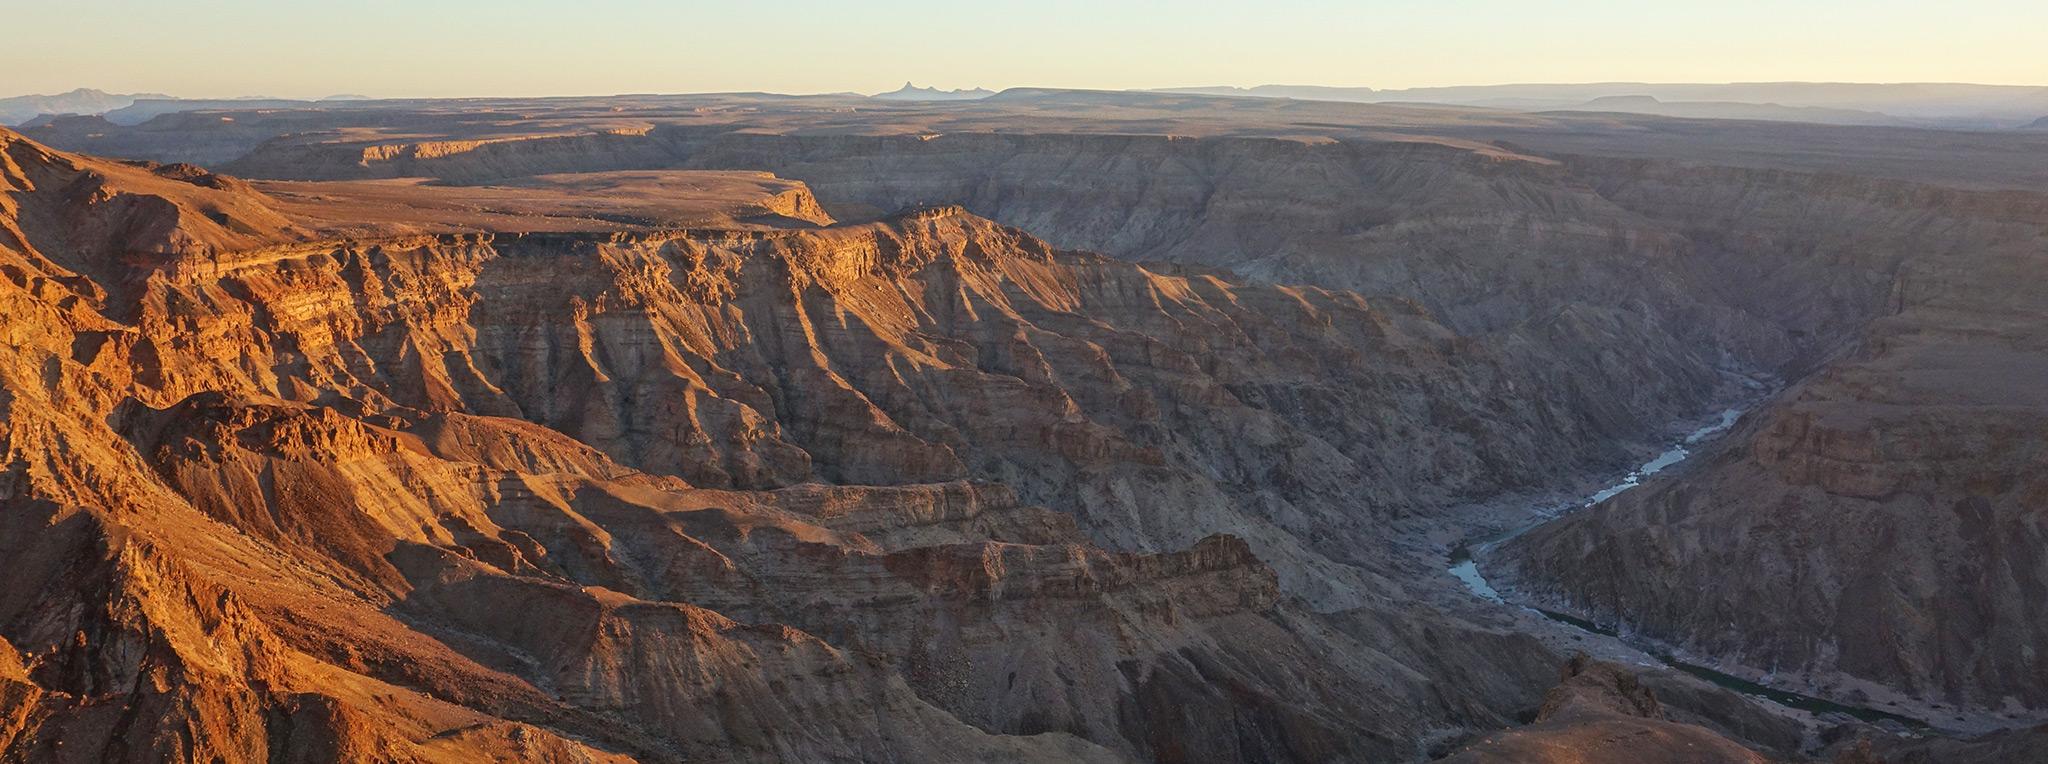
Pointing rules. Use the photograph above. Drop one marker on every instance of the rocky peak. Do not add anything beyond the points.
(1587, 688)
(911, 92)
(1600, 713)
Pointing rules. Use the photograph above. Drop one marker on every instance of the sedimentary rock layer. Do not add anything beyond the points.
(705, 493)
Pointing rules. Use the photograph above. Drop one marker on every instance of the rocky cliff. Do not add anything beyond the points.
(1513, 254)
(704, 493)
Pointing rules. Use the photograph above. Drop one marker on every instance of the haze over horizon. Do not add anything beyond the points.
(470, 48)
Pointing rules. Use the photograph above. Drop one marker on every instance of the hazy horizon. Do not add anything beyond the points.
(233, 48)
(921, 83)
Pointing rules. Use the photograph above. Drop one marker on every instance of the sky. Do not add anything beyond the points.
(421, 48)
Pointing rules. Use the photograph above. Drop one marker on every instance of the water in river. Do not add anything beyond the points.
(1466, 568)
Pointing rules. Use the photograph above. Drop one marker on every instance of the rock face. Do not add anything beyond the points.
(1515, 255)
(715, 493)
(1600, 712)
(1644, 269)
(938, 346)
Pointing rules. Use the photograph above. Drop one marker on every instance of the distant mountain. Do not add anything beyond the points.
(2039, 124)
(910, 92)
(136, 108)
(1642, 104)
(1928, 104)
(19, 109)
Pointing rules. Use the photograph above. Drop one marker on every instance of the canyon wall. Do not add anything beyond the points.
(728, 494)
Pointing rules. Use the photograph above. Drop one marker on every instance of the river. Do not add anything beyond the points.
(1465, 562)
(1465, 566)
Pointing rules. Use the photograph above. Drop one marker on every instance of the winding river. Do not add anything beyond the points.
(1465, 561)
(1465, 566)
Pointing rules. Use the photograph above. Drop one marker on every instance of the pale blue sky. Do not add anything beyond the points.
(551, 47)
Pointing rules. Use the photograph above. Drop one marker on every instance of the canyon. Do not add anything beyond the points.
(1052, 425)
